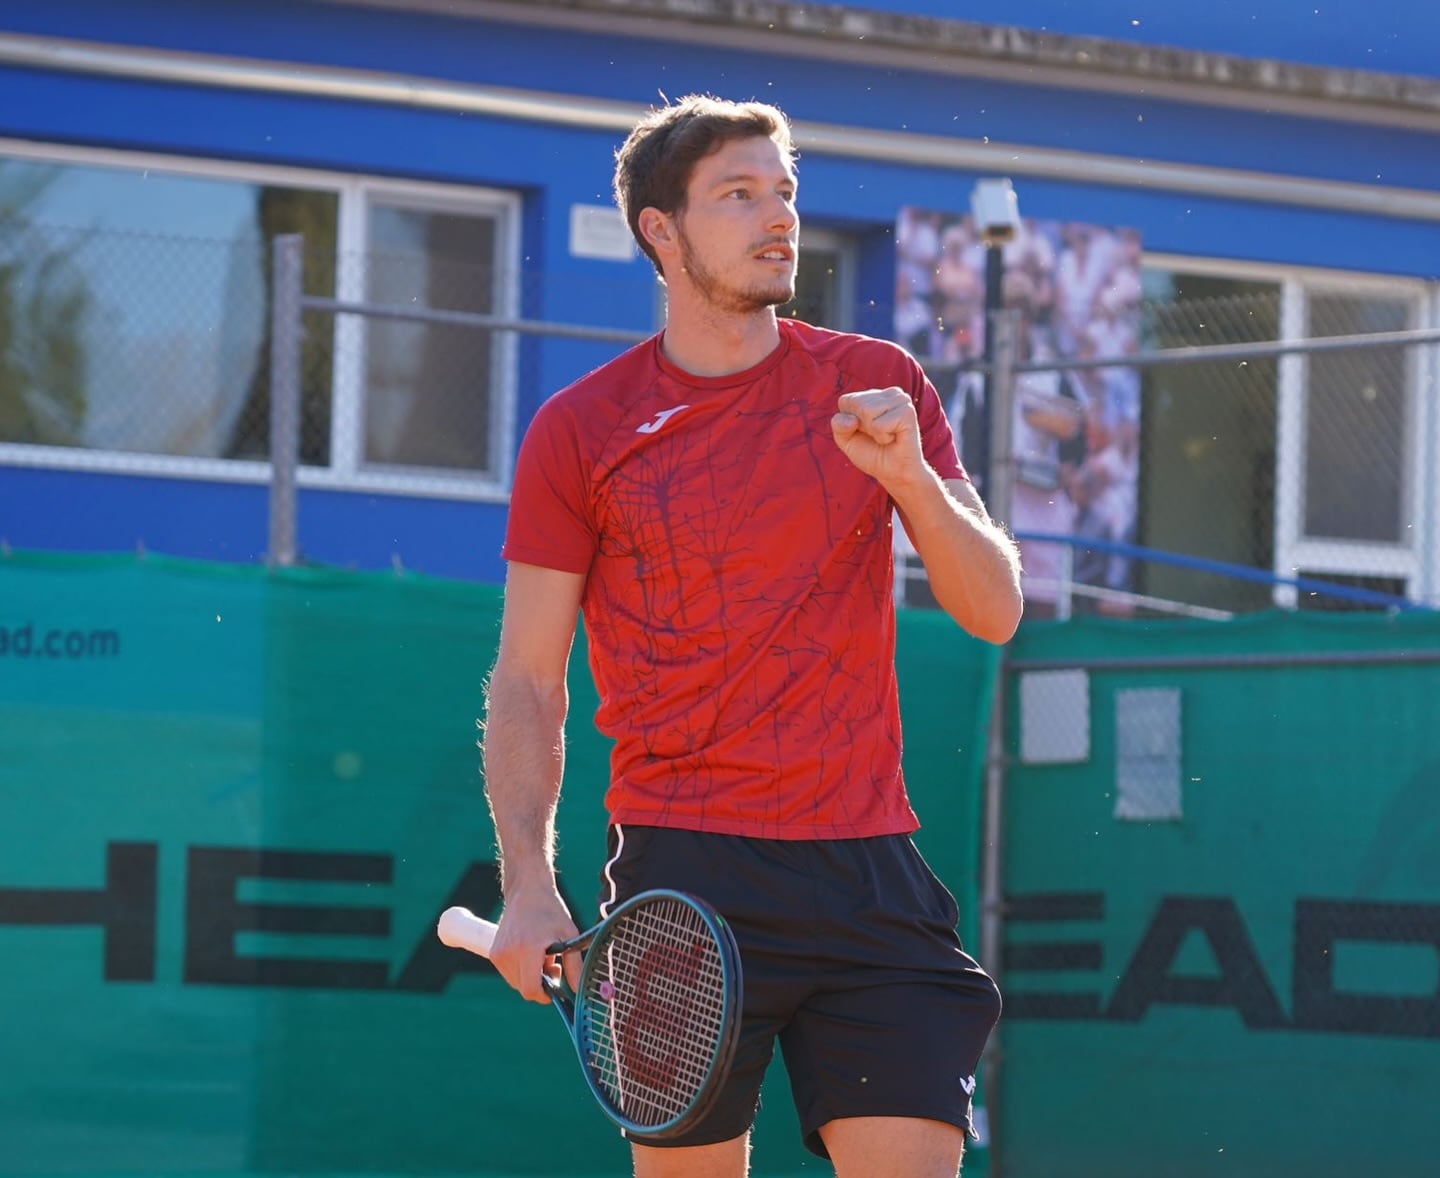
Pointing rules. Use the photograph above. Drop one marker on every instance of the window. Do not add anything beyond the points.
(133, 305)
(420, 401)
(420, 378)
(1349, 491)
(135, 312)
(1355, 420)
(824, 281)
(1303, 463)
(1207, 452)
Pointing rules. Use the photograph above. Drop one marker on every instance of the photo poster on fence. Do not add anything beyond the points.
(1076, 431)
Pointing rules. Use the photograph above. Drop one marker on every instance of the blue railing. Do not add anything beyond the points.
(1237, 572)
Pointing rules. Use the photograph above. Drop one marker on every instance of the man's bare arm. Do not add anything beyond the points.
(972, 564)
(524, 759)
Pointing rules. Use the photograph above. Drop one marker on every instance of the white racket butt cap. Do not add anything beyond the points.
(462, 929)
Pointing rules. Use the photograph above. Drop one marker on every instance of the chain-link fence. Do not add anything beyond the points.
(1227, 448)
(130, 343)
(138, 352)
(1209, 465)
(409, 362)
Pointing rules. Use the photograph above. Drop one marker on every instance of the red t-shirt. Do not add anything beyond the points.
(739, 583)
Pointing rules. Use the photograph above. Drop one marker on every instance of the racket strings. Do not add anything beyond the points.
(656, 1011)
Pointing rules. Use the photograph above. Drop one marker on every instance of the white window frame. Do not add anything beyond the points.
(1415, 560)
(347, 469)
(355, 193)
(1319, 555)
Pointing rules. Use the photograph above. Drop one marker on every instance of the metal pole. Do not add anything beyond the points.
(286, 283)
(992, 900)
(999, 402)
(994, 301)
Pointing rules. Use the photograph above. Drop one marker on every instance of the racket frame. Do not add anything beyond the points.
(571, 1005)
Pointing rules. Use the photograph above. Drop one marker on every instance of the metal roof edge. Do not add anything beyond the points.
(1035, 57)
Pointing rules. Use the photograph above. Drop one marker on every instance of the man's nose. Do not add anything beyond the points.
(782, 214)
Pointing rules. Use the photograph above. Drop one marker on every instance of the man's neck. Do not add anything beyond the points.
(707, 343)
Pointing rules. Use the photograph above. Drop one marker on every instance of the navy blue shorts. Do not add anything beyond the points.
(851, 961)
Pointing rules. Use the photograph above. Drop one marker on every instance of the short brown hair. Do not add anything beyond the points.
(654, 164)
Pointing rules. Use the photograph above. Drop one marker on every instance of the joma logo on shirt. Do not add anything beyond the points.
(656, 423)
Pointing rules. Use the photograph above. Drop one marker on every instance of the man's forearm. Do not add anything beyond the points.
(972, 564)
(524, 759)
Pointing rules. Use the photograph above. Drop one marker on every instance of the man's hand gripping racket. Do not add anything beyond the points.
(656, 1014)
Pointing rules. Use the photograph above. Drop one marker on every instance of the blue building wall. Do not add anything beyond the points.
(556, 166)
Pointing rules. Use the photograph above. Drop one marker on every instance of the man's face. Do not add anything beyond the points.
(738, 231)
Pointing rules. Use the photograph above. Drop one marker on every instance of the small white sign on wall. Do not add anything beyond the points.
(599, 231)
(1147, 755)
(1054, 717)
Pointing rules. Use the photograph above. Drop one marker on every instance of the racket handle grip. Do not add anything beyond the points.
(462, 929)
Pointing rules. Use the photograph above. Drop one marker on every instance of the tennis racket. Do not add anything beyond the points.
(657, 1011)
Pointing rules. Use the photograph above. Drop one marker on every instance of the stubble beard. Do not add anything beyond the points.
(728, 299)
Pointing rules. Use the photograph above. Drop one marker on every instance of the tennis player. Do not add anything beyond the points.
(718, 502)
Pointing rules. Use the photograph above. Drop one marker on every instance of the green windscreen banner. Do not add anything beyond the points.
(233, 803)
(1222, 899)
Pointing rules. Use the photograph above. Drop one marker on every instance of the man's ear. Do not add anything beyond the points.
(658, 229)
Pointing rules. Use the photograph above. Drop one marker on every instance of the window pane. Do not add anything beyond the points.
(428, 386)
(1355, 422)
(1208, 447)
(817, 289)
(134, 307)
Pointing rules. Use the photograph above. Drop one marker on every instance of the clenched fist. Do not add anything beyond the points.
(878, 430)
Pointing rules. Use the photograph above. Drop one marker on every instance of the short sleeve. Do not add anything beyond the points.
(937, 439)
(552, 521)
